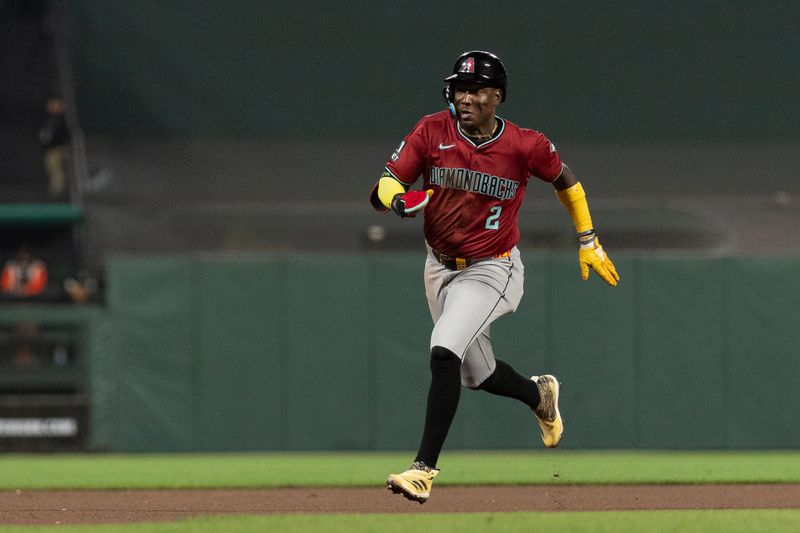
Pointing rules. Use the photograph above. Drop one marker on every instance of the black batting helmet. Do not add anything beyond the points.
(480, 67)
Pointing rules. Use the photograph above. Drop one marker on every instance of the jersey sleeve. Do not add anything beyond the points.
(407, 162)
(544, 161)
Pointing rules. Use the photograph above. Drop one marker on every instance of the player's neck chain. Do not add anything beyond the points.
(482, 138)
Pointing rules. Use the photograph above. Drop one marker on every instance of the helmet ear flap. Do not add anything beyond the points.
(448, 98)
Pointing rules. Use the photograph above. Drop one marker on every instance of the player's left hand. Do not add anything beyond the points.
(407, 205)
(591, 254)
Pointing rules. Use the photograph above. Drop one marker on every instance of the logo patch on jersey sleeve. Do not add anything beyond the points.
(552, 148)
(396, 153)
(468, 65)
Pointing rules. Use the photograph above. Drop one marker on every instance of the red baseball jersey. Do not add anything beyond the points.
(478, 190)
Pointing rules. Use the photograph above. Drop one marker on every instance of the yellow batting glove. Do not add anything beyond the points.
(591, 254)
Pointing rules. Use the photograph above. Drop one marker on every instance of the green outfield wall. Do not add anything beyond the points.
(321, 352)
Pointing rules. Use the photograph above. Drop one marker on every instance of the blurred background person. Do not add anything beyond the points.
(26, 346)
(54, 139)
(81, 287)
(24, 275)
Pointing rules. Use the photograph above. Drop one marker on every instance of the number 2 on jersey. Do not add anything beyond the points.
(493, 222)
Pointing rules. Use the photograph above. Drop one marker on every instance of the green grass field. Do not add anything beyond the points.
(736, 521)
(458, 468)
(367, 468)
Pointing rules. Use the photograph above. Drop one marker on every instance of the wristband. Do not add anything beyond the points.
(586, 238)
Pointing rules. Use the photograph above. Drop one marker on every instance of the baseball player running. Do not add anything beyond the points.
(475, 168)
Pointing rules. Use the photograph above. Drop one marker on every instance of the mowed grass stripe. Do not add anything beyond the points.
(266, 470)
(730, 521)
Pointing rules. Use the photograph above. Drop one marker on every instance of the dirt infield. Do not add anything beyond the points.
(91, 507)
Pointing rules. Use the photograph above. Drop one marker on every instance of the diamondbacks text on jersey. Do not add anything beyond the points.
(478, 189)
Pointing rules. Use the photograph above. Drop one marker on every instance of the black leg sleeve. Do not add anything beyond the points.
(505, 381)
(443, 397)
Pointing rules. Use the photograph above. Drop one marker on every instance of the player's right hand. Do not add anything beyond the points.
(591, 254)
(407, 205)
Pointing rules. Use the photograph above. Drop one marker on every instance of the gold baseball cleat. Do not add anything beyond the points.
(551, 426)
(415, 483)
